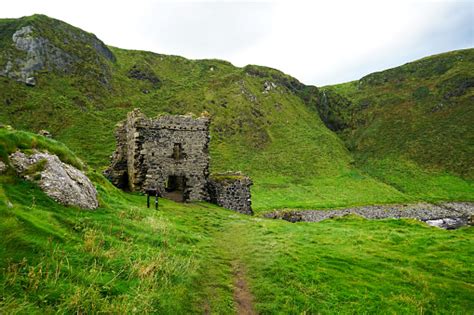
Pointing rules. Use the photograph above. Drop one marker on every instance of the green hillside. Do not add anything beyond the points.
(412, 126)
(188, 258)
(371, 145)
(273, 134)
(264, 123)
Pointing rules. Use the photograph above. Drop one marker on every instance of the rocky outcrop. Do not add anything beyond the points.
(40, 54)
(65, 50)
(60, 181)
(231, 191)
(448, 215)
(144, 73)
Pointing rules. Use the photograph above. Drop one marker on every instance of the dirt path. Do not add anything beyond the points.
(243, 298)
(226, 280)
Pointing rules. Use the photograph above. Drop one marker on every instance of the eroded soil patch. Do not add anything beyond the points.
(243, 298)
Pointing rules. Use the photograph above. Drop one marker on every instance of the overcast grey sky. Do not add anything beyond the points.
(318, 42)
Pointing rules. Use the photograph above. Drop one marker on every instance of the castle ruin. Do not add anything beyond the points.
(170, 154)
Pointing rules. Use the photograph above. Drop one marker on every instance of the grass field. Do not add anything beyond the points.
(126, 258)
(186, 258)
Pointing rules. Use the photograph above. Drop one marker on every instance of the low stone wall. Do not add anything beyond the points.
(231, 191)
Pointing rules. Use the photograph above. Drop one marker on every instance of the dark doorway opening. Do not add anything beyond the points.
(175, 188)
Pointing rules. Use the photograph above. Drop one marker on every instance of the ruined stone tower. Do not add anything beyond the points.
(168, 153)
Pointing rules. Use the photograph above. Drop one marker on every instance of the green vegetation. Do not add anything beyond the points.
(412, 126)
(227, 176)
(121, 258)
(181, 259)
(275, 136)
(351, 265)
(12, 140)
(402, 135)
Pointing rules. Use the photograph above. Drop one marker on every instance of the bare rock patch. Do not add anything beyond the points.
(60, 181)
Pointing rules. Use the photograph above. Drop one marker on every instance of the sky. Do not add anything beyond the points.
(318, 42)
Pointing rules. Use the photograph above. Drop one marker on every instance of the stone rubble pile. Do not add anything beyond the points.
(448, 215)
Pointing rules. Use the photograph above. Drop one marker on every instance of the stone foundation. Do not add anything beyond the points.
(231, 191)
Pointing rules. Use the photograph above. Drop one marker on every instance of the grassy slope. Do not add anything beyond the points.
(275, 137)
(120, 258)
(125, 258)
(412, 126)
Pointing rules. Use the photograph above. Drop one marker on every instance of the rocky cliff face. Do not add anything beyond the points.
(40, 54)
(35, 47)
(62, 182)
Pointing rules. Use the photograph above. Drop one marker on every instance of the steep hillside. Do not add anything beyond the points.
(196, 257)
(264, 122)
(57, 77)
(410, 126)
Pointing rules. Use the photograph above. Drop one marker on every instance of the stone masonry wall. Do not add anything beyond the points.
(231, 191)
(117, 171)
(193, 137)
(144, 155)
(151, 151)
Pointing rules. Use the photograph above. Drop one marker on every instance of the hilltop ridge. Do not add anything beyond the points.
(264, 122)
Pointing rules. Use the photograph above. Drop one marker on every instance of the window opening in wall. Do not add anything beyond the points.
(178, 151)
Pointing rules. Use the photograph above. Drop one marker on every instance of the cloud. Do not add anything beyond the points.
(204, 30)
(317, 42)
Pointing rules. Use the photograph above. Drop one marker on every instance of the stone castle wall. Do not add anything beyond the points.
(151, 152)
(145, 155)
(231, 191)
(117, 171)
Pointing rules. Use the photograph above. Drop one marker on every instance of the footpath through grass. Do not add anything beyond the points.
(126, 258)
(185, 258)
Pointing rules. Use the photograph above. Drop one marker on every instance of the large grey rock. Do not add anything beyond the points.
(447, 223)
(62, 182)
(40, 54)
